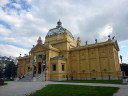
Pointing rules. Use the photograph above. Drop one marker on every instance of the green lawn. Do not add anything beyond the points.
(4, 84)
(75, 90)
(8, 80)
(95, 81)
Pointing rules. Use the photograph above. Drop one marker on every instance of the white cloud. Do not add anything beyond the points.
(106, 31)
(9, 50)
(11, 18)
(87, 19)
(3, 2)
(4, 31)
(23, 41)
(16, 5)
(123, 46)
(125, 60)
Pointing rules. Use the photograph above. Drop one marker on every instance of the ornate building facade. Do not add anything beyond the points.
(60, 58)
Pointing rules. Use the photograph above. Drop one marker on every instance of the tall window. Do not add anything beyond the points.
(62, 67)
(54, 67)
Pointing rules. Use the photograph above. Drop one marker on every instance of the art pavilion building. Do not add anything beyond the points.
(61, 58)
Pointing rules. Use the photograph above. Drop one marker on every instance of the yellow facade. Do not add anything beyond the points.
(61, 58)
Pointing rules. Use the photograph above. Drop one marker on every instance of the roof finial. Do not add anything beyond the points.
(108, 36)
(39, 41)
(59, 23)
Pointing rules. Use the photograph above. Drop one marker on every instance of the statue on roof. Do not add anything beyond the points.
(96, 40)
(109, 36)
(113, 37)
(86, 42)
(78, 42)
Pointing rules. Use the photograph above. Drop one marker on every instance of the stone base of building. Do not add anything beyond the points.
(56, 79)
(114, 75)
(85, 78)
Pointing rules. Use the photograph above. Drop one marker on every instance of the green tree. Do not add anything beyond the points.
(10, 70)
(1, 73)
(124, 67)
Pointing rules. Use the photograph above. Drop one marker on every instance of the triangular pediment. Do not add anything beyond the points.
(39, 47)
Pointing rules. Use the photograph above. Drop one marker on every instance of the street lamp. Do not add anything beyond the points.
(45, 74)
(45, 71)
(34, 70)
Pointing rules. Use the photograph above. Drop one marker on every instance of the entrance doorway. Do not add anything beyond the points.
(44, 66)
(28, 69)
(44, 62)
(39, 68)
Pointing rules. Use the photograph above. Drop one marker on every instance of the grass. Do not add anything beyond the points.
(95, 81)
(4, 84)
(75, 90)
(9, 80)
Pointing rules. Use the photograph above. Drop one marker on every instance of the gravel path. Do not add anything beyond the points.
(22, 88)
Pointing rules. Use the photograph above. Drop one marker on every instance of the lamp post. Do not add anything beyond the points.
(45, 71)
(34, 69)
(45, 74)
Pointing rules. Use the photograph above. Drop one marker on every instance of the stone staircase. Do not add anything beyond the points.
(40, 77)
(28, 77)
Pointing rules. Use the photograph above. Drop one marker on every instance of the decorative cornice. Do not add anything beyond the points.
(96, 45)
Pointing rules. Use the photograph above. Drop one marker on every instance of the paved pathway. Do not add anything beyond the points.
(22, 88)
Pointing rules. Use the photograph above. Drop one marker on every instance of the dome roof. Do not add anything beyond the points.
(58, 30)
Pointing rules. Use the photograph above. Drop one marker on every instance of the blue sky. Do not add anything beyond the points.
(23, 21)
(124, 50)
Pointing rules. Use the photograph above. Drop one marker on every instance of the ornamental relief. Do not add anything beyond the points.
(39, 49)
